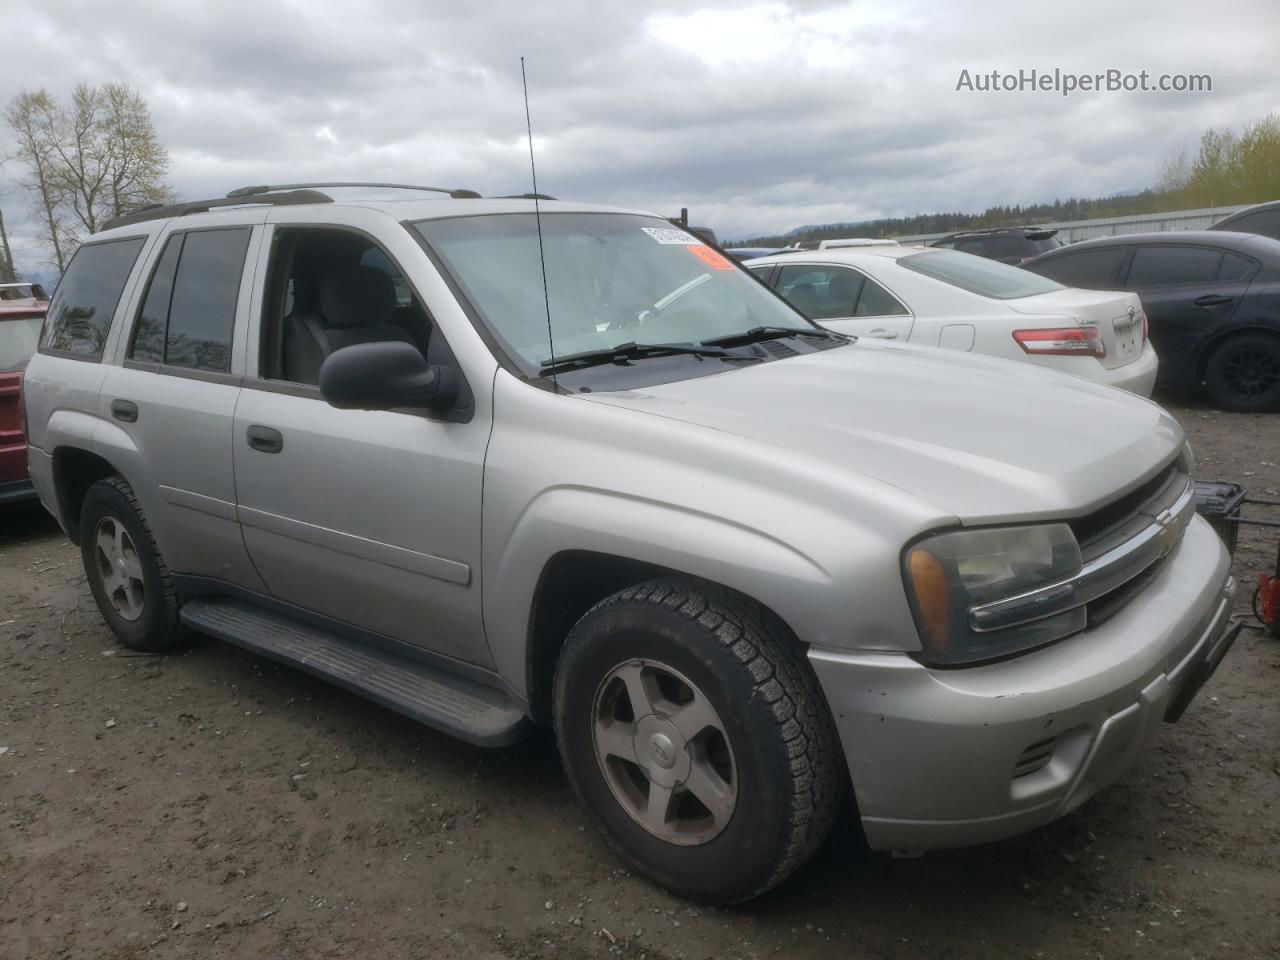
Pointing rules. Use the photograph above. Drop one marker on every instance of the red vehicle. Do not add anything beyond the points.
(22, 309)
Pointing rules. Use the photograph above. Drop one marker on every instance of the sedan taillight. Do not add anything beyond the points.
(1144, 326)
(1063, 342)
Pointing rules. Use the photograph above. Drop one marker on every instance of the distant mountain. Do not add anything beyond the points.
(1117, 205)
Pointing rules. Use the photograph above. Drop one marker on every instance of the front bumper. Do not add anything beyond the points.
(950, 758)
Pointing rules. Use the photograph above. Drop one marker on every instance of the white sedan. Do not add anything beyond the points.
(943, 298)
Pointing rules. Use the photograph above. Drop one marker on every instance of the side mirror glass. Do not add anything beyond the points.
(386, 376)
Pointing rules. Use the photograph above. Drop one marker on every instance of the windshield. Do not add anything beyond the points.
(612, 279)
(18, 339)
(978, 275)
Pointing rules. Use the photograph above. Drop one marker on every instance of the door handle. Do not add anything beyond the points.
(124, 410)
(266, 439)
(880, 333)
(1212, 300)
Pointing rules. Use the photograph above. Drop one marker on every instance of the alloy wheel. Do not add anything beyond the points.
(119, 568)
(1251, 372)
(664, 752)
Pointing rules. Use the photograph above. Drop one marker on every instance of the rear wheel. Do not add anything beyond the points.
(127, 576)
(692, 730)
(1243, 374)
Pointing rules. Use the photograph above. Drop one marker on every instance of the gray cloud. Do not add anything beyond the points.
(759, 117)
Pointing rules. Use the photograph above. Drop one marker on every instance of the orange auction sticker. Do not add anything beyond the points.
(710, 257)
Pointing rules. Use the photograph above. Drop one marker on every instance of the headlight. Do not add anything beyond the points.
(950, 573)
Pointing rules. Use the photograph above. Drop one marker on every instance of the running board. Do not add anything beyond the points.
(468, 710)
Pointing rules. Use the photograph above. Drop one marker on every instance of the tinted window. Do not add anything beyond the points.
(876, 301)
(1095, 269)
(81, 311)
(1265, 222)
(202, 309)
(149, 329)
(18, 338)
(1235, 268)
(820, 293)
(983, 277)
(996, 248)
(1158, 266)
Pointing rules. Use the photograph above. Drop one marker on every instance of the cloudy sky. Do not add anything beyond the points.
(759, 116)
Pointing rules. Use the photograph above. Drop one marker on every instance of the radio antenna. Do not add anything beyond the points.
(537, 217)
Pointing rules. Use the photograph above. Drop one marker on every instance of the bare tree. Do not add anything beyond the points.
(88, 160)
(32, 117)
(8, 273)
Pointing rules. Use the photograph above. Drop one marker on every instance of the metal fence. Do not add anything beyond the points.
(1073, 230)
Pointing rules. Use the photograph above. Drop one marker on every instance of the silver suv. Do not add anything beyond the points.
(503, 462)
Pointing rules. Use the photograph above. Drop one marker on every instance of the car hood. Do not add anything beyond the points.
(985, 440)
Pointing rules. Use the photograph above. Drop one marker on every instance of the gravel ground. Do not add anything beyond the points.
(211, 803)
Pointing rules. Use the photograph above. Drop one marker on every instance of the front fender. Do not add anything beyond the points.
(795, 586)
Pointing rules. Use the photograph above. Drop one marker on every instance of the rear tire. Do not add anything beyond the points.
(761, 746)
(1243, 373)
(126, 574)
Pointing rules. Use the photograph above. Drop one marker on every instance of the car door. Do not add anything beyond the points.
(845, 299)
(170, 404)
(367, 518)
(1189, 293)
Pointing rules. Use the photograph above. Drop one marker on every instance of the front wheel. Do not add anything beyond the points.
(1243, 374)
(693, 732)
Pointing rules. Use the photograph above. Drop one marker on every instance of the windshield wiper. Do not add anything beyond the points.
(772, 333)
(635, 351)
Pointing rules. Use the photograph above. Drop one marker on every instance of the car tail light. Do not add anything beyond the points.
(1062, 342)
(1144, 326)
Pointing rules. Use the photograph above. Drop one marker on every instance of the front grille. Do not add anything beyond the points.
(1101, 526)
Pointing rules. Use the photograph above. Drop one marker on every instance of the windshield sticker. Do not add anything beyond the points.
(711, 258)
(670, 235)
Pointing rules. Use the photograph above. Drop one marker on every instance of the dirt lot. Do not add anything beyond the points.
(212, 804)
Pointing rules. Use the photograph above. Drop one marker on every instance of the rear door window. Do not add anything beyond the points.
(876, 301)
(820, 293)
(189, 312)
(1166, 266)
(1091, 269)
(81, 311)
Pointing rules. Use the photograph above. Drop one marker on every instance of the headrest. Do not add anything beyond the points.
(843, 287)
(357, 296)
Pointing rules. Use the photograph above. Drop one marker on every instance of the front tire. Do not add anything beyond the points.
(1243, 374)
(694, 733)
(126, 574)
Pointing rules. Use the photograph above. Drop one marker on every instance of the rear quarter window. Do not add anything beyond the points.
(81, 311)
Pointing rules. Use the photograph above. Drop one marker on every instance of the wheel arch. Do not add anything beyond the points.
(75, 470)
(572, 582)
(1211, 344)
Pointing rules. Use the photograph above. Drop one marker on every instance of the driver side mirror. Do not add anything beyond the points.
(386, 376)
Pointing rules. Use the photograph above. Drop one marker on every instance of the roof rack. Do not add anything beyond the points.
(159, 211)
(456, 193)
(281, 195)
